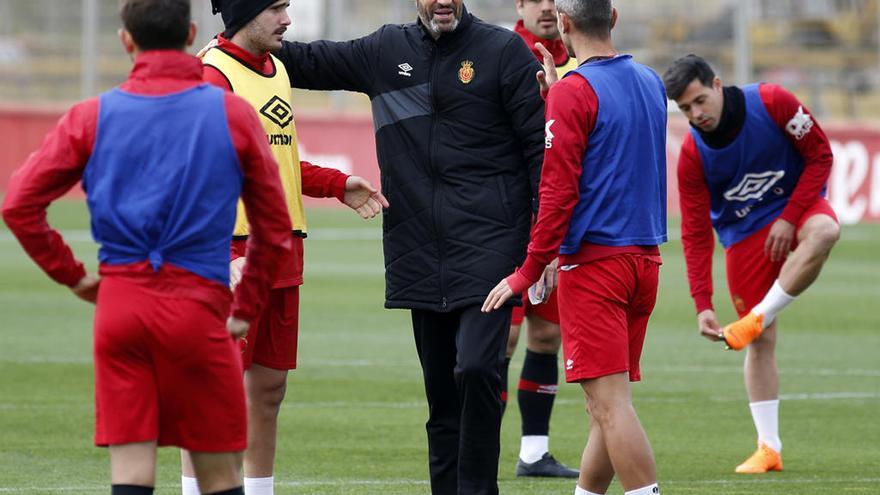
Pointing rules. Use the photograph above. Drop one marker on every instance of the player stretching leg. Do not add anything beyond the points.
(754, 167)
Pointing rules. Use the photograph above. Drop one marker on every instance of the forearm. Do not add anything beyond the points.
(322, 182)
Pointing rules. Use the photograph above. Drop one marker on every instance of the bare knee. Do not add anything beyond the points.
(543, 335)
(267, 393)
(764, 347)
(822, 235)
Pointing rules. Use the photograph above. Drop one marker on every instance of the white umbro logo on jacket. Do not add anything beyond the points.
(405, 69)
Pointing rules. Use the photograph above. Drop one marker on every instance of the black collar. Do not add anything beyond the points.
(733, 115)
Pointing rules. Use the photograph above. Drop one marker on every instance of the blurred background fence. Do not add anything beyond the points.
(53, 52)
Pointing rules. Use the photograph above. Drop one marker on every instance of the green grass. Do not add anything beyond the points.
(353, 422)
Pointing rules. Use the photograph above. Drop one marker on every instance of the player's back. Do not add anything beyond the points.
(625, 162)
(163, 180)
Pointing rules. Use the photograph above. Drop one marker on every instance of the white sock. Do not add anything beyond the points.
(259, 486)
(533, 447)
(580, 491)
(645, 490)
(774, 301)
(765, 414)
(189, 486)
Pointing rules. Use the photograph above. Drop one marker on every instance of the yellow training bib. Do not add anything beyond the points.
(271, 98)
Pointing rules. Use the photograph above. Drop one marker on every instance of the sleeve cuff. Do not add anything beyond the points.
(703, 302)
(525, 276)
(337, 187)
(244, 314)
(792, 213)
(72, 277)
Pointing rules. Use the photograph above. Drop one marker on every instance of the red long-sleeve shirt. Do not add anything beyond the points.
(317, 182)
(571, 109)
(696, 226)
(60, 161)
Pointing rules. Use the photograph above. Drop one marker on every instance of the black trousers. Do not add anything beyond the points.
(462, 354)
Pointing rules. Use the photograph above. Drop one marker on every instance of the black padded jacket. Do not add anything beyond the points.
(460, 139)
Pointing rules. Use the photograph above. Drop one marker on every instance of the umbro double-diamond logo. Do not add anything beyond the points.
(754, 186)
(278, 111)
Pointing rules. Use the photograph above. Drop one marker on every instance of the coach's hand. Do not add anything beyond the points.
(497, 297)
(236, 268)
(237, 328)
(87, 288)
(363, 198)
(779, 240)
(709, 326)
(548, 76)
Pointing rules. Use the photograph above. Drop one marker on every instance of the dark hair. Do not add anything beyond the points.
(682, 73)
(590, 17)
(157, 24)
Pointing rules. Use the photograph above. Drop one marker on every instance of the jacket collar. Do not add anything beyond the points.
(166, 64)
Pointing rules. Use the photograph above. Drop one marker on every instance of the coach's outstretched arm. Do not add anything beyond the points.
(333, 65)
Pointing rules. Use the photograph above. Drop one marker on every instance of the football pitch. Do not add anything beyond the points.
(353, 420)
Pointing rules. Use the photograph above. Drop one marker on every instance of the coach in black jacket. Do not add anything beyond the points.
(460, 139)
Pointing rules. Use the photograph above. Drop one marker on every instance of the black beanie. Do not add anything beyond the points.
(237, 13)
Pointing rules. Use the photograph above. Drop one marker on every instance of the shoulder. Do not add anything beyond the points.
(83, 114)
(572, 93)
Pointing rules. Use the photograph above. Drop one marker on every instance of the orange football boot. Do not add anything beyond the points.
(763, 460)
(743, 331)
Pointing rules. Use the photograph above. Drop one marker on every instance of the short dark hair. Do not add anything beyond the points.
(157, 24)
(590, 17)
(682, 73)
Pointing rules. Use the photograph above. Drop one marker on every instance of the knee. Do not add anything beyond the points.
(476, 373)
(765, 345)
(270, 394)
(824, 237)
(603, 411)
(544, 338)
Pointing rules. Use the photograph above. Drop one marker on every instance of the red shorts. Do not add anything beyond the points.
(548, 310)
(750, 273)
(166, 370)
(604, 307)
(271, 340)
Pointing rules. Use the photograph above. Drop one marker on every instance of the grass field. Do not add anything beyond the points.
(353, 421)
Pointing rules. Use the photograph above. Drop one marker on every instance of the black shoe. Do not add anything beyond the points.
(545, 467)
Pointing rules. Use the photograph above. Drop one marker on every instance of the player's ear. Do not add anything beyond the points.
(193, 31)
(564, 22)
(613, 17)
(716, 83)
(127, 41)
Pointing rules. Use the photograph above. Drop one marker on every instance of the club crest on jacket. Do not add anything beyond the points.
(466, 72)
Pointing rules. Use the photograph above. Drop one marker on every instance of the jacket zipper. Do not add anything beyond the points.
(436, 178)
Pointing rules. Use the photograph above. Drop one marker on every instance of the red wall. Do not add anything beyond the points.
(347, 143)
